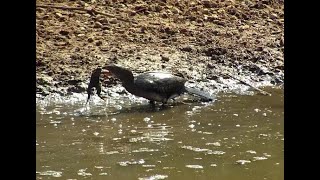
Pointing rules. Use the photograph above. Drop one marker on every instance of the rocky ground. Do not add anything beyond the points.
(201, 40)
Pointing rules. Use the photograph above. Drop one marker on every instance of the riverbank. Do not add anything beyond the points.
(213, 44)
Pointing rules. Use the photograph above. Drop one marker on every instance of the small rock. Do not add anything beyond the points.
(206, 11)
(242, 162)
(74, 81)
(164, 58)
(209, 4)
(187, 48)
(281, 41)
(104, 48)
(61, 43)
(58, 15)
(90, 40)
(76, 89)
(164, 15)
(244, 27)
(99, 43)
(175, 10)
(45, 17)
(113, 21)
(214, 51)
(210, 65)
(97, 25)
(259, 48)
(132, 13)
(64, 32)
(273, 16)
(257, 110)
(106, 27)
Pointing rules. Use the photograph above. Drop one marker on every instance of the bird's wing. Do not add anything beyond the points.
(159, 82)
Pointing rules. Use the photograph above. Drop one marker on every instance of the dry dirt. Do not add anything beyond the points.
(196, 39)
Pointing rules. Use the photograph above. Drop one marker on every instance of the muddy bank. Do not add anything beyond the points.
(203, 41)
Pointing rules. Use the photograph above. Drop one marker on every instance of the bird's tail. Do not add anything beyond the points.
(203, 95)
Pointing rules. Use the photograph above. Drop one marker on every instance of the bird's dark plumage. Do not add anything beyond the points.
(154, 86)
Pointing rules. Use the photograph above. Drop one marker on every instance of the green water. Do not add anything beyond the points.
(182, 141)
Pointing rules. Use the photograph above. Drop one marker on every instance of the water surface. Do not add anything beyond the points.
(237, 137)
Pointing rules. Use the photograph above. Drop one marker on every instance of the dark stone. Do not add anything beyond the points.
(74, 81)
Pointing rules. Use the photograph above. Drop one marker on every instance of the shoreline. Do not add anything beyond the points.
(205, 42)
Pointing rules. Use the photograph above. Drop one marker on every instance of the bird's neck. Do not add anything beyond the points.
(129, 85)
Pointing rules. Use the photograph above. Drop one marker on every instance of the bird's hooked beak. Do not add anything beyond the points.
(105, 73)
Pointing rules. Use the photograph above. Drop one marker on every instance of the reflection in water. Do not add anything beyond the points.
(236, 137)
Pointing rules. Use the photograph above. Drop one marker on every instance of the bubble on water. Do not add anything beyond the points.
(213, 165)
(113, 119)
(112, 152)
(251, 152)
(145, 150)
(263, 135)
(259, 158)
(148, 165)
(257, 110)
(55, 122)
(50, 173)
(191, 126)
(146, 119)
(266, 155)
(98, 167)
(154, 177)
(215, 144)
(236, 115)
(126, 163)
(216, 152)
(264, 114)
(82, 172)
(103, 174)
(242, 162)
(96, 133)
(194, 166)
(195, 149)
(238, 125)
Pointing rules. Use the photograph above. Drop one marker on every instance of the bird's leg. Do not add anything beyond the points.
(152, 103)
(98, 87)
(164, 102)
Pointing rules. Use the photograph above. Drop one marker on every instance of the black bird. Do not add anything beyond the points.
(154, 86)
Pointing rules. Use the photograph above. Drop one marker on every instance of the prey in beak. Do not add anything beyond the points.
(95, 82)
